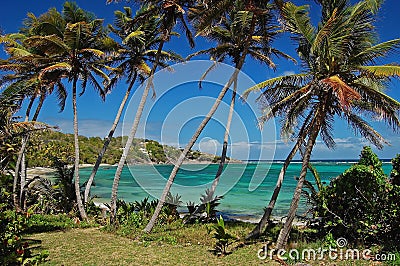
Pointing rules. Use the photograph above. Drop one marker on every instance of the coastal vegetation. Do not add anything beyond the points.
(65, 52)
(340, 80)
(47, 146)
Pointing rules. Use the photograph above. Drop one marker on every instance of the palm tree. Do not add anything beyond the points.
(169, 12)
(229, 36)
(76, 56)
(24, 65)
(132, 56)
(242, 31)
(340, 80)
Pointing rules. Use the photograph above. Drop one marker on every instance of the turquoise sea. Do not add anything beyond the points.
(246, 187)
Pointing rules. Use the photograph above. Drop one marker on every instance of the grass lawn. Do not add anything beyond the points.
(94, 247)
(186, 245)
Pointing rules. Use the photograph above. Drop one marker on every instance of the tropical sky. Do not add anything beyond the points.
(177, 109)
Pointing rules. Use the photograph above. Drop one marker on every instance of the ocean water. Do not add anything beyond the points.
(246, 187)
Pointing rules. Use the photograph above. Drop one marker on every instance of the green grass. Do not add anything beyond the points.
(92, 246)
(174, 244)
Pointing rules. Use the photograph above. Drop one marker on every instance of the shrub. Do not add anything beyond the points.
(14, 249)
(395, 173)
(205, 212)
(361, 204)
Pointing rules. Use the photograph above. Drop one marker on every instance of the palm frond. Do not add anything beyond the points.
(295, 79)
(383, 70)
(63, 66)
(297, 21)
(138, 35)
(379, 50)
(95, 52)
(344, 92)
(364, 129)
(324, 33)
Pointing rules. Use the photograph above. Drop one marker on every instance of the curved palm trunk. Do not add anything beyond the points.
(107, 141)
(268, 211)
(23, 181)
(225, 144)
(76, 164)
(25, 141)
(117, 177)
(20, 157)
(182, 157)
(284, 233)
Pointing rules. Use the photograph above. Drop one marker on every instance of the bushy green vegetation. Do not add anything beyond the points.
(361, 204)
(50, 144)
(395, 173)
(14, 248)
(47, 145)
(156, 151)
(224, 239)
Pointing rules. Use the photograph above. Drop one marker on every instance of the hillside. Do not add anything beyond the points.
(47, 145)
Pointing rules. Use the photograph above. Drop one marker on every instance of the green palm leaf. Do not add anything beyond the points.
(379, 50)
(134, 35)
(272, 82)
(297, 21)
(56, 67)
(382, 71)
(18, 52)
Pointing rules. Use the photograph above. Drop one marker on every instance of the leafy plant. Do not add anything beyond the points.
(206, 211)
(46, 197)
(361, 204)
(170, 209)
(395, 173)
(6, 181)
(134, 214)
(14, 249)
(224, 239)
(145, 206)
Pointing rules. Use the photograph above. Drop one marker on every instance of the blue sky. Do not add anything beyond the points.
(173, 116)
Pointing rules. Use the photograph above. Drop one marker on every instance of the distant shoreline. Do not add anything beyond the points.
(39, 170)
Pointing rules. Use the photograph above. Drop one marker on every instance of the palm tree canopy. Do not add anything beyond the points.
(74, 44)
(170, 12)
(22, 71)
(340, 75)
(138, 47)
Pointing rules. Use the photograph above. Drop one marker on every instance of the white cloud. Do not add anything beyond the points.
(288, 72)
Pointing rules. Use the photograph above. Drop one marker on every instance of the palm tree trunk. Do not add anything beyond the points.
(117, 177)
(268, 211)
(225, 144)
(182, 157)
(76, 164)
(107, 140)
(284, 233)
(20, 157)
(26, 140)
(23, 181)
(39, 107)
